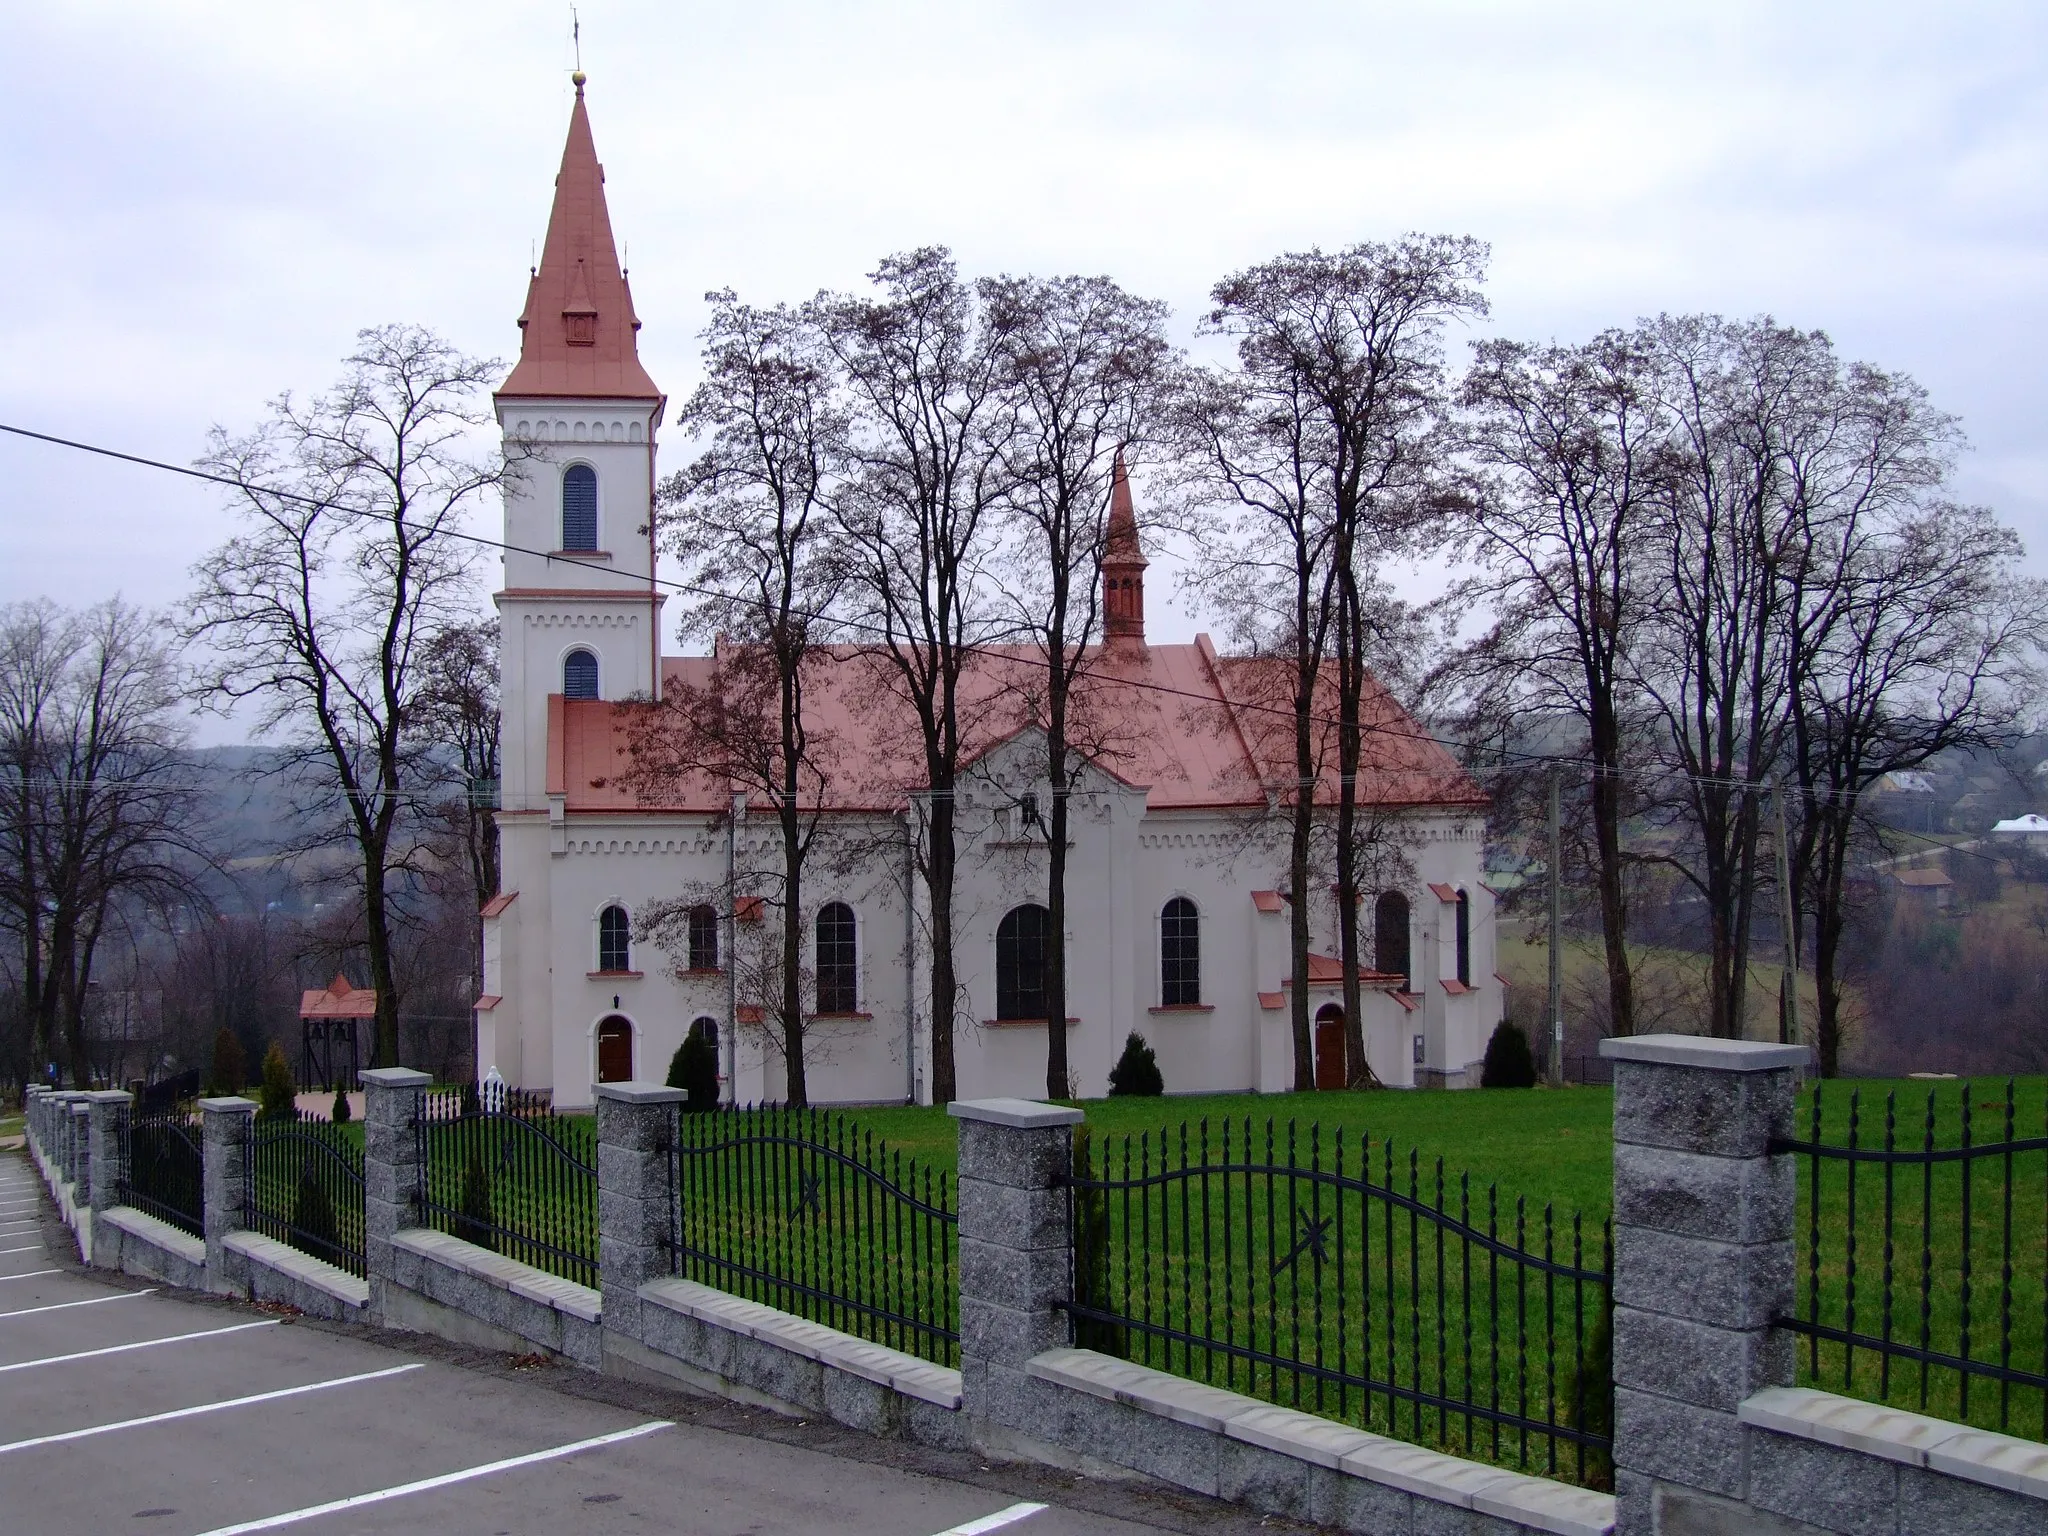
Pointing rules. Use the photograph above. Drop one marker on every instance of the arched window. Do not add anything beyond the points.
(1464, 939)
(579, 507)
(1020, 962)
(838, 959)
(705, 1028)
(1180, 954)
(614, 940)
(1390, 937)
(703, 939)
(579, 675)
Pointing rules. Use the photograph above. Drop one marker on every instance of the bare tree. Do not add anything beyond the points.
(1565, 442)
(923, 368)
(320, 613)
(1082, 363)
(94, 818)
(747, 519)
(458, 718)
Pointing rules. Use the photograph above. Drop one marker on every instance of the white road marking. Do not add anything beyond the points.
(187, 1413)
(994, 1522)
(426, 1484)
(122, 1349)
(96, 1301)
(29, 1274)
(31, 1248)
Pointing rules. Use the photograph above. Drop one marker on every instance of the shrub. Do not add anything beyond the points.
(280, 1093)
(1509, 1062)
(472, 1099)
(1136, 1073)
(341, 1113)
(1589, 1398)
(313, 1216)
(475, 1223)
(230, 1067)
(1091, 1260)
(694, 1069)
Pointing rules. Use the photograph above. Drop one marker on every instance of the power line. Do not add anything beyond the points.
(1416, 734)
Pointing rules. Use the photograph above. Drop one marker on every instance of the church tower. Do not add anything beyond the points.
(1123, 566)
(579, 613)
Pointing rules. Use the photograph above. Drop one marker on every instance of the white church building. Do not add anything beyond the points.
(1178, 912)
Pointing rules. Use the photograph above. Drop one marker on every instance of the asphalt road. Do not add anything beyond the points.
(131, 1409)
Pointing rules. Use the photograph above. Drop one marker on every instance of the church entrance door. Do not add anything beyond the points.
(614, 1051)
(1330, 1047)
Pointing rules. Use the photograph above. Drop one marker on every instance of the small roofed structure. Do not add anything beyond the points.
(329, 1021)
(1931, 886)
(2030, 829)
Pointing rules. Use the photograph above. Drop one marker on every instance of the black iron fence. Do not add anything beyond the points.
(1923, 1263)
(805, 1212)
(304, 1186)
(521, 1180)
(1346, 1280)
(166, 1166)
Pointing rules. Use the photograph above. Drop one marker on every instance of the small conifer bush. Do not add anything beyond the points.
(341, 1113)
(476, 1223)
(1509, 1061)
(694, 1069)
(1136, 1073)
(280, 1093)
(230, 1073)
(472, 1099)
(313, 1216)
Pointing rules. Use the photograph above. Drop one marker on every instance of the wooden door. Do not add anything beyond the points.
(1330, 1048)
(614, 1051)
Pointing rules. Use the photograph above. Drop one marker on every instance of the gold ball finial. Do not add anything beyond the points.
(577, 79)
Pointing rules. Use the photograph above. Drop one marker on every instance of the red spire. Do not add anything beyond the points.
(578, 328)
(1123, 563)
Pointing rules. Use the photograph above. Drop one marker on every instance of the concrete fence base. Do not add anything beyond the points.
(1711, 1434)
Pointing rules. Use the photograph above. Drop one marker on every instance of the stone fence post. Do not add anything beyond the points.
(107, 1123)
(635, 1122)
(80, 1150)
(392, 1105)
(1703, 1263)
(32, 1114)
(226, 1126)
(1016, 1250)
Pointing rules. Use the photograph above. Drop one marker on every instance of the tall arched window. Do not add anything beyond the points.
(579, 507)
(579, 675)
(703, 939)
(838, 959)
(1390, 937)
(1020, 962)
(614, 940)
(1180, 954)
(1464, 938)
(705, 1028)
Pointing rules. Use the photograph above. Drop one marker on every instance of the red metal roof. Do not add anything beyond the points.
(578, 328)
(1193, 730)
(338, 1000)
(497, 904)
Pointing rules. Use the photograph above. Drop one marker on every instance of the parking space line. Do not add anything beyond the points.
(427, 1484)
(187, 1413)
(122, 1349)
(28, 1274)
(94, 1301)
(31, 1248)
(994, 1522)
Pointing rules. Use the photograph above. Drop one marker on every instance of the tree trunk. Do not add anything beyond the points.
(1297, 921)
(1056, 1072)
(939, 884)
(1606, 798)
(796, 1087)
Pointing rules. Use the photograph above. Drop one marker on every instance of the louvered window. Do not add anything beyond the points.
(579, 675)
(579, 507)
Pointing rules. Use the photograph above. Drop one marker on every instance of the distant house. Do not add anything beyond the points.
(1905, 799)
(1930, 888)
(2029, 831)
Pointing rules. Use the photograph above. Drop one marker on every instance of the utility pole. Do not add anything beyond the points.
(1556, 1000)
(1788, 927)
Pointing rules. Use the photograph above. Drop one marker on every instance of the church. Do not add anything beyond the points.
(1178, 910)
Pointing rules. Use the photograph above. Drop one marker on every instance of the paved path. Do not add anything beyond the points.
(127, 1409)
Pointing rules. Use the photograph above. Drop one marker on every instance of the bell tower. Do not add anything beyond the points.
(1123, 566)
(579, 612)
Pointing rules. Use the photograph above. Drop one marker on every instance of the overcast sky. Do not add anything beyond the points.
(200, 204)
